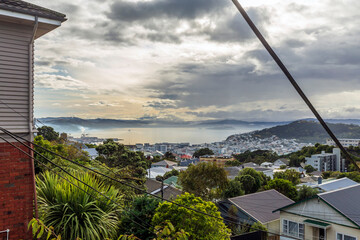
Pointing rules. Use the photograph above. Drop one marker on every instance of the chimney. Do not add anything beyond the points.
(319, 180)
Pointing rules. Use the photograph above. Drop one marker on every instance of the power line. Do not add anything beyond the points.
(292, 80)
(74, 178)
(180, 205)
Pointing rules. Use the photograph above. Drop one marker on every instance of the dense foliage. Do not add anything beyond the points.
(251, 180)
(234, 189)
(355, 176)
(289, 174)
(282, 186)
(258, 157)
(203, 152)
(305, 192)
(198, 226)
(142, 208)
(114, 154)
(74, 213)
(48, 133)
(205, 180)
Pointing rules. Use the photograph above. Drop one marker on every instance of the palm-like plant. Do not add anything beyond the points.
(74, 213)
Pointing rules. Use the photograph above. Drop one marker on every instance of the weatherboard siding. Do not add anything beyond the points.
(311, 233)
(16, 85)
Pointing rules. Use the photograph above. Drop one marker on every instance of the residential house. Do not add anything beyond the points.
(256, 207)
(92, 152)
(168, 192)
(157, 171)
(267, 171)
(232, 172)
(21, 23)
(330, 185)
(266, 164)
(249, 165)
(329, 215)
(164, 163)
(187, 162)
(282, 161)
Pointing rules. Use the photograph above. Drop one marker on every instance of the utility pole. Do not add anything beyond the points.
(162, 189)
(292, 81)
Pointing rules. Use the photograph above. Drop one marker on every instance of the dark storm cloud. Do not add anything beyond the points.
(160, 18)
(326, 65)
(184, 9)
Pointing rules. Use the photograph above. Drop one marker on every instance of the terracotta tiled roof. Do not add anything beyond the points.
(31, 9)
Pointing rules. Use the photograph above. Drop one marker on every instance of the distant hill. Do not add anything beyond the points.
(309, 131)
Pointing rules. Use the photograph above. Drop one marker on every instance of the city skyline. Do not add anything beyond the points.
(197, 60)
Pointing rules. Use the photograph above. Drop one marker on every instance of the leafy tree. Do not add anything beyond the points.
(258, 226)
(248, 182)
(114, 154)
(258, 156)
(355, 176)
(159, 178)
(205, 180)
(305, 192)
(290, 174)
(259, 177)
(68, 151)
(198, 226)
(48, 133)
(169, 156)
(73, 213)
(234, 189)
(283, 186)
(143, 208)
(283, 167)
(202, 152)
(309, 169)
(173, 172)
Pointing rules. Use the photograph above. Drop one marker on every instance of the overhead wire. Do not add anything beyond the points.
(74, 178)
(180, 205)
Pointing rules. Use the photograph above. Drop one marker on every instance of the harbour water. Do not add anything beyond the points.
(159, 135)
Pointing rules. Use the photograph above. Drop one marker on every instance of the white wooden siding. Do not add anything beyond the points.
(15, 109)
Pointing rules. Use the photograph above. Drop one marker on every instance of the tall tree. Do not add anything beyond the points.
(205, 180)
(234, 189)
(283, 186)
(48, 133)
(114, 154)
(198, 226)
(257, 179)
(289, 174)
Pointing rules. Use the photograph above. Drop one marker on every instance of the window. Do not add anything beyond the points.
(294, 229)
(341, 236)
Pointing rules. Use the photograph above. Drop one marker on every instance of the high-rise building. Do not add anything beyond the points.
(327, 161)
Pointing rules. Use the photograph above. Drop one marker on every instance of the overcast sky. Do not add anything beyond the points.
(197, 60)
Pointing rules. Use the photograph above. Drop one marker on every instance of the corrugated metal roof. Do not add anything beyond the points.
(261, 205)
(164, 163)
(31, 9)
(337, 184)
(345, 200)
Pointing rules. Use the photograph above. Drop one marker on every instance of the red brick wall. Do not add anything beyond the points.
(16, 192)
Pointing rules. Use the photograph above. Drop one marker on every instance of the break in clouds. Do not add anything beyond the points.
(197, 59)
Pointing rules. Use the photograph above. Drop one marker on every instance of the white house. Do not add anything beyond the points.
(329, 215)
